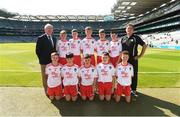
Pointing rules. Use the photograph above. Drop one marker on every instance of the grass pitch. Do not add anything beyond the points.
(19, 66)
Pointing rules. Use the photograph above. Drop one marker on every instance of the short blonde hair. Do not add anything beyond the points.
(63, 32)
(130, 25)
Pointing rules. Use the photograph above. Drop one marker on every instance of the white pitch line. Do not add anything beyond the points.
(138, 72)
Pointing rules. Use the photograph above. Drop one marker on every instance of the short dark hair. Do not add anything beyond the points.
(113, 32)
(69, 55)
(74, 30)
(86, 56)
(54, 53)
(125, 52)
(105, 54)
(101, 31)
(88, 28)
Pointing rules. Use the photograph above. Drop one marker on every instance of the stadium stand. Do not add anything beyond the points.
(169, 40)
(158, 23)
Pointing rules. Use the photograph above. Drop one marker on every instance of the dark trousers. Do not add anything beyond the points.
(135, 78)
(44, 77)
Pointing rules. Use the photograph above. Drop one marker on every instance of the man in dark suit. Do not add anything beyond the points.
(45, 45)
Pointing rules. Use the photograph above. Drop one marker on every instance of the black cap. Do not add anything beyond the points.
(105, 53)
(69, 55)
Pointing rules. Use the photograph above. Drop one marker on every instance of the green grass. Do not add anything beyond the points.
(19, 66)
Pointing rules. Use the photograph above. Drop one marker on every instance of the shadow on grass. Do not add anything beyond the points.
(144, 105)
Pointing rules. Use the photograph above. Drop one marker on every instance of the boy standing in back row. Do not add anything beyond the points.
(102, 45)
(115, 48)
(89, 45)
(75, 47)
(63, 47)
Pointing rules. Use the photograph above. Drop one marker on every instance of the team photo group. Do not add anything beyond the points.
(75, 67)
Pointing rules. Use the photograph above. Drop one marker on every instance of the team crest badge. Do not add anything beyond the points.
(75, 69)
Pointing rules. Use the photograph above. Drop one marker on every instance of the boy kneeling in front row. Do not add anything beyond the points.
(124, 73)
(53, 70)
(88, 76)
(70, 78)
(106, 78)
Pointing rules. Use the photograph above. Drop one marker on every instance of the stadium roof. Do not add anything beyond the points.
(136, 8)
(122, 10)
(81, 18)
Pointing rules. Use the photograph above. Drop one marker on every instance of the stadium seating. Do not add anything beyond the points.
(153, 27)
(169, 40)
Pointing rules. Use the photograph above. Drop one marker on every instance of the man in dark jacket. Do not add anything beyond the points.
(130, 43)
(45, 45)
